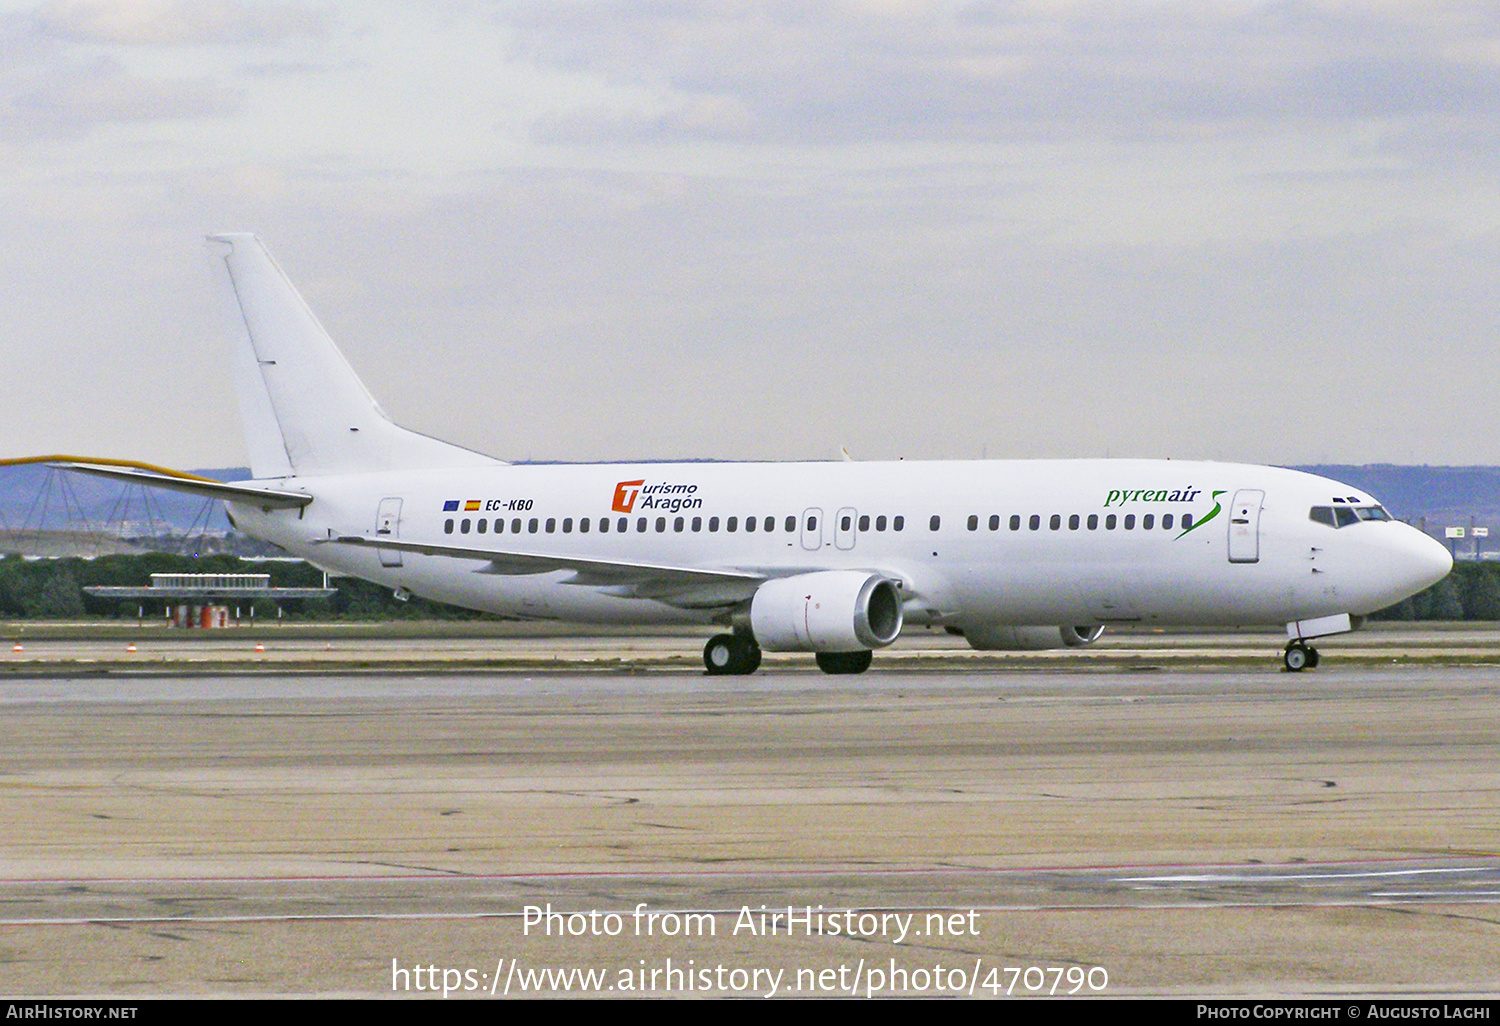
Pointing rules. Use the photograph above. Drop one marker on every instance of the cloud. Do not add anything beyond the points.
(860, 71)
(50, 88)
(78, 95)
(176, 22)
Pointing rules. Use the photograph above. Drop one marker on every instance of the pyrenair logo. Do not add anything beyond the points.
(1120, 496)
(668, 498)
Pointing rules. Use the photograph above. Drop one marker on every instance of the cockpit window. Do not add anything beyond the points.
(1343, 516)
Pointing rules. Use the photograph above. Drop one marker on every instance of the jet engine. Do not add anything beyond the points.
(828, 611)
(1003, 637)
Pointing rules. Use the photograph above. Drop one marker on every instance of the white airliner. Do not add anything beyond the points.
(829, 558)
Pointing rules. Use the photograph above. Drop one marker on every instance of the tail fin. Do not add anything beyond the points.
(304, 410)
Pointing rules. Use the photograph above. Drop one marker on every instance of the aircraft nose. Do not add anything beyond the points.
(1420, 561)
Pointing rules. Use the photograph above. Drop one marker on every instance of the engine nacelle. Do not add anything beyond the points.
(1003, 637)
(828, 611)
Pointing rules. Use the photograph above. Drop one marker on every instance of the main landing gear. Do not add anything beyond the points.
(1299, 656)
(739, 654)
(731, 653)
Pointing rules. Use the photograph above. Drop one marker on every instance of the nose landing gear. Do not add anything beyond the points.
(1299, 656)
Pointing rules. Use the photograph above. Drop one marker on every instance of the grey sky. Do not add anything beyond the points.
(600, 230)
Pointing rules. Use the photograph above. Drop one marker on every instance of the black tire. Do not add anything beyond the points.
(749, 654)
(1312, 658)
(1296, 658)
(845, 662)
(731, 654)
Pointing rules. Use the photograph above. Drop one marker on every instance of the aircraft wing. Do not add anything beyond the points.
(687, 587)
(267, 498)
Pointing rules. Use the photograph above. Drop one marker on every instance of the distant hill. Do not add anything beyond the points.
(1442, 496)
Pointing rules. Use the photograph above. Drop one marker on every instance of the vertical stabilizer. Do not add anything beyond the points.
(305, 412)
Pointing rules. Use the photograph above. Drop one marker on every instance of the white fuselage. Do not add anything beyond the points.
(966, 554)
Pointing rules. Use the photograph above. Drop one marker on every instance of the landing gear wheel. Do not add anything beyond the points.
(1312, 658)
(1298, 657)
(845, 662)
(731, 654)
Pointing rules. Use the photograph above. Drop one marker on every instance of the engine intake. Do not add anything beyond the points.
(828, 611)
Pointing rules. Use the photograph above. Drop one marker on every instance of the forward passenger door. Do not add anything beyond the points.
(1244, 526)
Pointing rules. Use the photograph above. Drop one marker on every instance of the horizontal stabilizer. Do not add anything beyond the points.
(265, 498)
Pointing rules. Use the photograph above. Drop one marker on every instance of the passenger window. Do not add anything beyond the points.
(1130, 521)
(499, 525)
(1015, 522)
(1093, 521)
(1035, 522)
(448, 527)
(551, 525)
(898, 524)
(995, 522)
(934, 523)
(622, 526)
(846, 523)
(678, 524)
(973, 522)
(732, 524)
(750, 523)
(583, 526)
(515, 526)
(1073, 522)
(567, 525)
(1054, 522)
(1148, 521)
(1187, 521)
(812, 523)
(770, 524)
(791, 524)
(1109, 522)
(1166, 522)
(661, 525)
(463, 528)
(640, 525)
(603, 525)
(482, 526)
(713, 525)
(880, 523)
(532, 525)
(864, 522)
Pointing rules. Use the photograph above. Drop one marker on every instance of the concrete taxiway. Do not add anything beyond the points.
(1207, 830)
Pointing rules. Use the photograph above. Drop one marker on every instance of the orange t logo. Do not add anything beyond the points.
(625, 493)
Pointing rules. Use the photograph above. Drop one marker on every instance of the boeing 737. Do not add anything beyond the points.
(829, 558)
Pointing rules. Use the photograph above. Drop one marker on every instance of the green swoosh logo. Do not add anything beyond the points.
(1211, 514)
